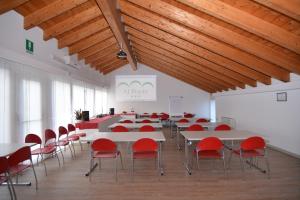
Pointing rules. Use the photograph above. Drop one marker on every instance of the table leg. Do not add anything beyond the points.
(256, 167)
(91, 169)
(177, 139)
(160, 159)
(187, 159)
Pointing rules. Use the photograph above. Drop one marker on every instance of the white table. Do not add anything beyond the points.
(157, 136)
(191, 136)
(139, 120)
(136, 125)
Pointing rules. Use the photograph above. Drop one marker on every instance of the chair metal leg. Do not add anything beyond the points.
(242, 163)
(91, 167)
(121, 160)
(11, 188)
(80, 145)
(9, 185)
(44, 163)
(99, 159)
(57, 158)
(229, 160)
(62, 154)
(197, 157)
(37, 160)
(116, 163)
(268, 165)
(71, 151)
(36, 181)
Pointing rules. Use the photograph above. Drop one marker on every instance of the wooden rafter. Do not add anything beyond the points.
(7, 5)
(114, 66)
(206, 42)
(112, 15)
(111, 50)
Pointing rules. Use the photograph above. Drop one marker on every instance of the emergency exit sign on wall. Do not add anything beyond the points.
(29, 46)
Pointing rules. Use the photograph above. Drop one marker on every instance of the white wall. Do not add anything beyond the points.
(195, 100)
(257, 109)
(12, 47)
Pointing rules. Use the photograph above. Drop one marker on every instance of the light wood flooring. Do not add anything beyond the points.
(69, 183)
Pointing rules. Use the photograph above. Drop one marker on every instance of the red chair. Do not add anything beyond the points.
(124, 112)
(210, 147)
(223, 127)
(147, 128)
(143, 149)
(154, 116)
(195, 127)
(41, 151)
(5, 177)
(146, 121)
(154, 113)
(201, 120)
(17, 164)
(119, 129)
(252, 148)
(188, 115)
(72, 128)
(183, 121)
(128, 121)
(50, 141)
(105, 148)
(64, 141)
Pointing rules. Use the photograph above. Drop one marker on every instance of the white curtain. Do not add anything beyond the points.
(98, 101)
(89, 100)
(77, 97)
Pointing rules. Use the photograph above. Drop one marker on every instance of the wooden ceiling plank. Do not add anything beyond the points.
(159, 67)
(105, 59)
(90, 41)
(7, 5)
(249, 22)
(113, 49)
(181, 66)
(96, 48)
(82, 33)
(290, 8)
(49, 11)
(113, 17)
(197, 50)
(109, 63)
(161, 44)
(177, 12)
(114, 67)
(72, 22)
(181, 69)
(206, 42)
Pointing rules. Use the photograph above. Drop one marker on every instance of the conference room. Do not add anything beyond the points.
(149, 99)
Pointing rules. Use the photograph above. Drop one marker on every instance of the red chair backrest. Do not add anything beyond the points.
(49, 135)
(210, 143)
(183, 121)
(188, 115)
(253, 143)
(104, 145)
(62, 131)
(119, 129)
(146, 113)
(144, 145)
(164, 116)
(3, 165)
(154, 116)
(124, 112)
(127, 121)
(154, 113)
(223, 127)
(33, 138)
(147, 128)
(195, 127)
(146, 121)
(202, 120)
(71, 127)
(20, 155)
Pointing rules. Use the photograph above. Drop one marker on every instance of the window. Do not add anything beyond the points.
(98, 101)
(61, 104)
(31, 112)
(89, 101)
(77, 97)
(4, 103)
(213, 110)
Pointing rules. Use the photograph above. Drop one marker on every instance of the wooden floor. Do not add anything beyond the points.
(69, 182)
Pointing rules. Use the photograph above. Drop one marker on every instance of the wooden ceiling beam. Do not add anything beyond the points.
(249, 23)
(290, 8)
(73, 36)
(182, 14)
(107, 60)
(7, 5)
(197, 50)
(90, 41)
(115, 66)
(113, 49)
(53, 9)
(72, 22)
(113, 17)
(192, 57)
(159, 67)
(206, 42)
(183, 69)
(96, 48)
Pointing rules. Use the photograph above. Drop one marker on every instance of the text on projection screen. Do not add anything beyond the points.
(136, 88)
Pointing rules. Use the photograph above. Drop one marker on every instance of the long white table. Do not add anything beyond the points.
(191, 136)
(139, 120)
(157, 136)
(136, 125)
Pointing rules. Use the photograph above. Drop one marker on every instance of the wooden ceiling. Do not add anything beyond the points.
(213, 45)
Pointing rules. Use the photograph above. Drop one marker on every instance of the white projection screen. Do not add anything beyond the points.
(136, 88)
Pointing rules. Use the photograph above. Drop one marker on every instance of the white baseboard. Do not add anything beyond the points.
(284, 151)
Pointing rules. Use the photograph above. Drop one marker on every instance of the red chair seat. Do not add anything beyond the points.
(62, 142)
(17, 168)
(249, 153)
(73, 138)
(150, 154)
(106, 154)
(80, 134)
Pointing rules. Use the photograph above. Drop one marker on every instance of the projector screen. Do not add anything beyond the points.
(136, 88)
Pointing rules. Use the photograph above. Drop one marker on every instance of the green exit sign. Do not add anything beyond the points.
(29, 46)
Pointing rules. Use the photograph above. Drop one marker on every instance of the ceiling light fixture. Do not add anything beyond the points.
(122, 54)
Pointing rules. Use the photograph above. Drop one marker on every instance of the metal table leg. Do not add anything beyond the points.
(91, 169)
(187, 159)
(160, 159)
